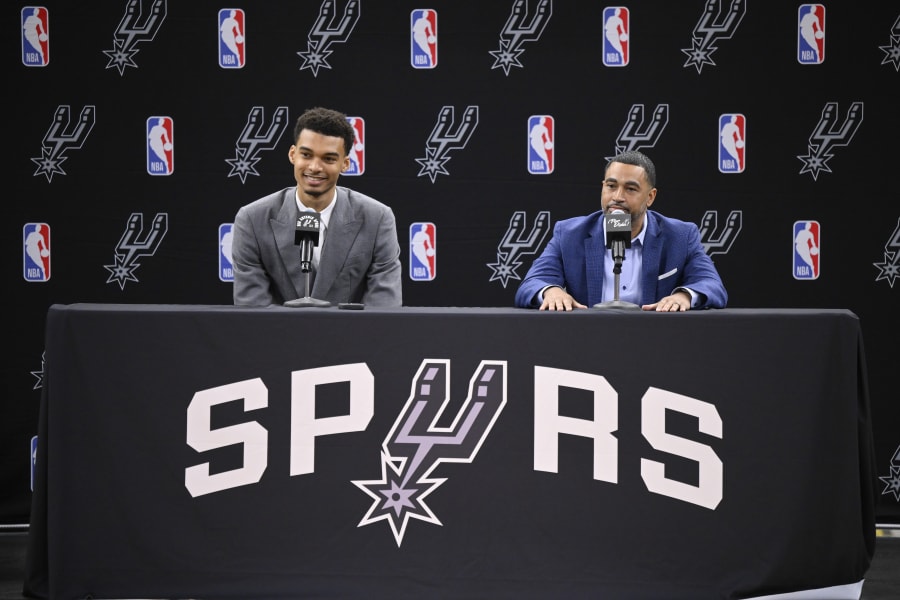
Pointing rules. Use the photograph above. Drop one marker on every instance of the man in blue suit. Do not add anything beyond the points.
(665, 269)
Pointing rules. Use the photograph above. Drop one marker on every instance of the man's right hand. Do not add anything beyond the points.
(556, 298)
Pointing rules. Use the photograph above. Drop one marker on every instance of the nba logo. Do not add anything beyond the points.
(732, 143)
(358, 152)
(540, 144)
(35, 36)
(423, 39)
(226, 270)
(422, 251)
(160, 146)
(232, 53)
(806, 250)
(36, 252)
(811, 34)
(615, 36)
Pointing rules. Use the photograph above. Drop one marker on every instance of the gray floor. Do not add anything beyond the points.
(882, 580)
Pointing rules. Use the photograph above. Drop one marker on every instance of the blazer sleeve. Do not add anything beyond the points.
(251, 286)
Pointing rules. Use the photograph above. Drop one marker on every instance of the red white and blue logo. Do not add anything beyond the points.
(35, 36)
(423, 39)
(226, 268)
(811, 34)
(541, 144)
(732, 143)
(36, 252)
(807, 250)
(160, 146)
(422, 251)
(358, 152)
(616, 38)
(232, 38)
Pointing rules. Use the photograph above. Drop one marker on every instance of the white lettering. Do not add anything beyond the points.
(305, 427)
(202, 438)
(708, 492)
(548, 423)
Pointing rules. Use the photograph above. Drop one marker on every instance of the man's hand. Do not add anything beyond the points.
(677, 302)
(556, 298)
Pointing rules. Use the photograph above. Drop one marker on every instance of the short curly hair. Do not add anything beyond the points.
(326, 122)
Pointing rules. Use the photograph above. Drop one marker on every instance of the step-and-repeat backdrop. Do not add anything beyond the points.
(141, 126)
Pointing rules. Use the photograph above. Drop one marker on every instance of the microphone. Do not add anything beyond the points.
(307, 236)
(618, 227)
(618, 237)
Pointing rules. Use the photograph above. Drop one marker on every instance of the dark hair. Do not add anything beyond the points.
(326, 122)
(638, 159)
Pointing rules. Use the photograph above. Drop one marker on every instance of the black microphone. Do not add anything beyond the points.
(307, 236)
(618, 228)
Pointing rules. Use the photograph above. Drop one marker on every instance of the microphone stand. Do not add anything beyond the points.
(618, 254)
(305, 262)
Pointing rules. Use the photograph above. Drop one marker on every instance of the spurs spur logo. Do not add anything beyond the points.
(892, 481)
(637, 132)
(892, 50)
(416, 445)
(61, 137)
(132, 31)
(712, 27)
(442, 140)
(135, 243)
(517, 31)
(827, 135)
(254, 140)
(517, 244)
(720, 242)
(889, 268)
(325, 32)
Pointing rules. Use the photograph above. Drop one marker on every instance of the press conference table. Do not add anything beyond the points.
(227, 452)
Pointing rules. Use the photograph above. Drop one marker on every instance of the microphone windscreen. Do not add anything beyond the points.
(308, 224)
(618, 227)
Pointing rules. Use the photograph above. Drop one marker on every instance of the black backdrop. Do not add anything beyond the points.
(820, 146)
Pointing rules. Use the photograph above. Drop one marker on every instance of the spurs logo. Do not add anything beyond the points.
(892, 50)
(323, 34)
(889, 268)
(637, 133)
(892, 481)
(442, 140)
(135, 243)
(517, 243)
(416, 445)
(721, 243)
(254, 140)
(60, 137)
(828, 135)
(517, 31)
(712, 27)
(131, 31)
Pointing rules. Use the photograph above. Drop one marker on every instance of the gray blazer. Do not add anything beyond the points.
(360, 261)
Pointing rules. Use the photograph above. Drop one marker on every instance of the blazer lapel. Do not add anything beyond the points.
(284, 227)
(594, 249)
(650, 268)
(343, 227)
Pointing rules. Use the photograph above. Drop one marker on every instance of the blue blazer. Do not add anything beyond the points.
(672, 257)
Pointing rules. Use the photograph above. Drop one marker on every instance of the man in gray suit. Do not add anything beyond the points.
(357, 258)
